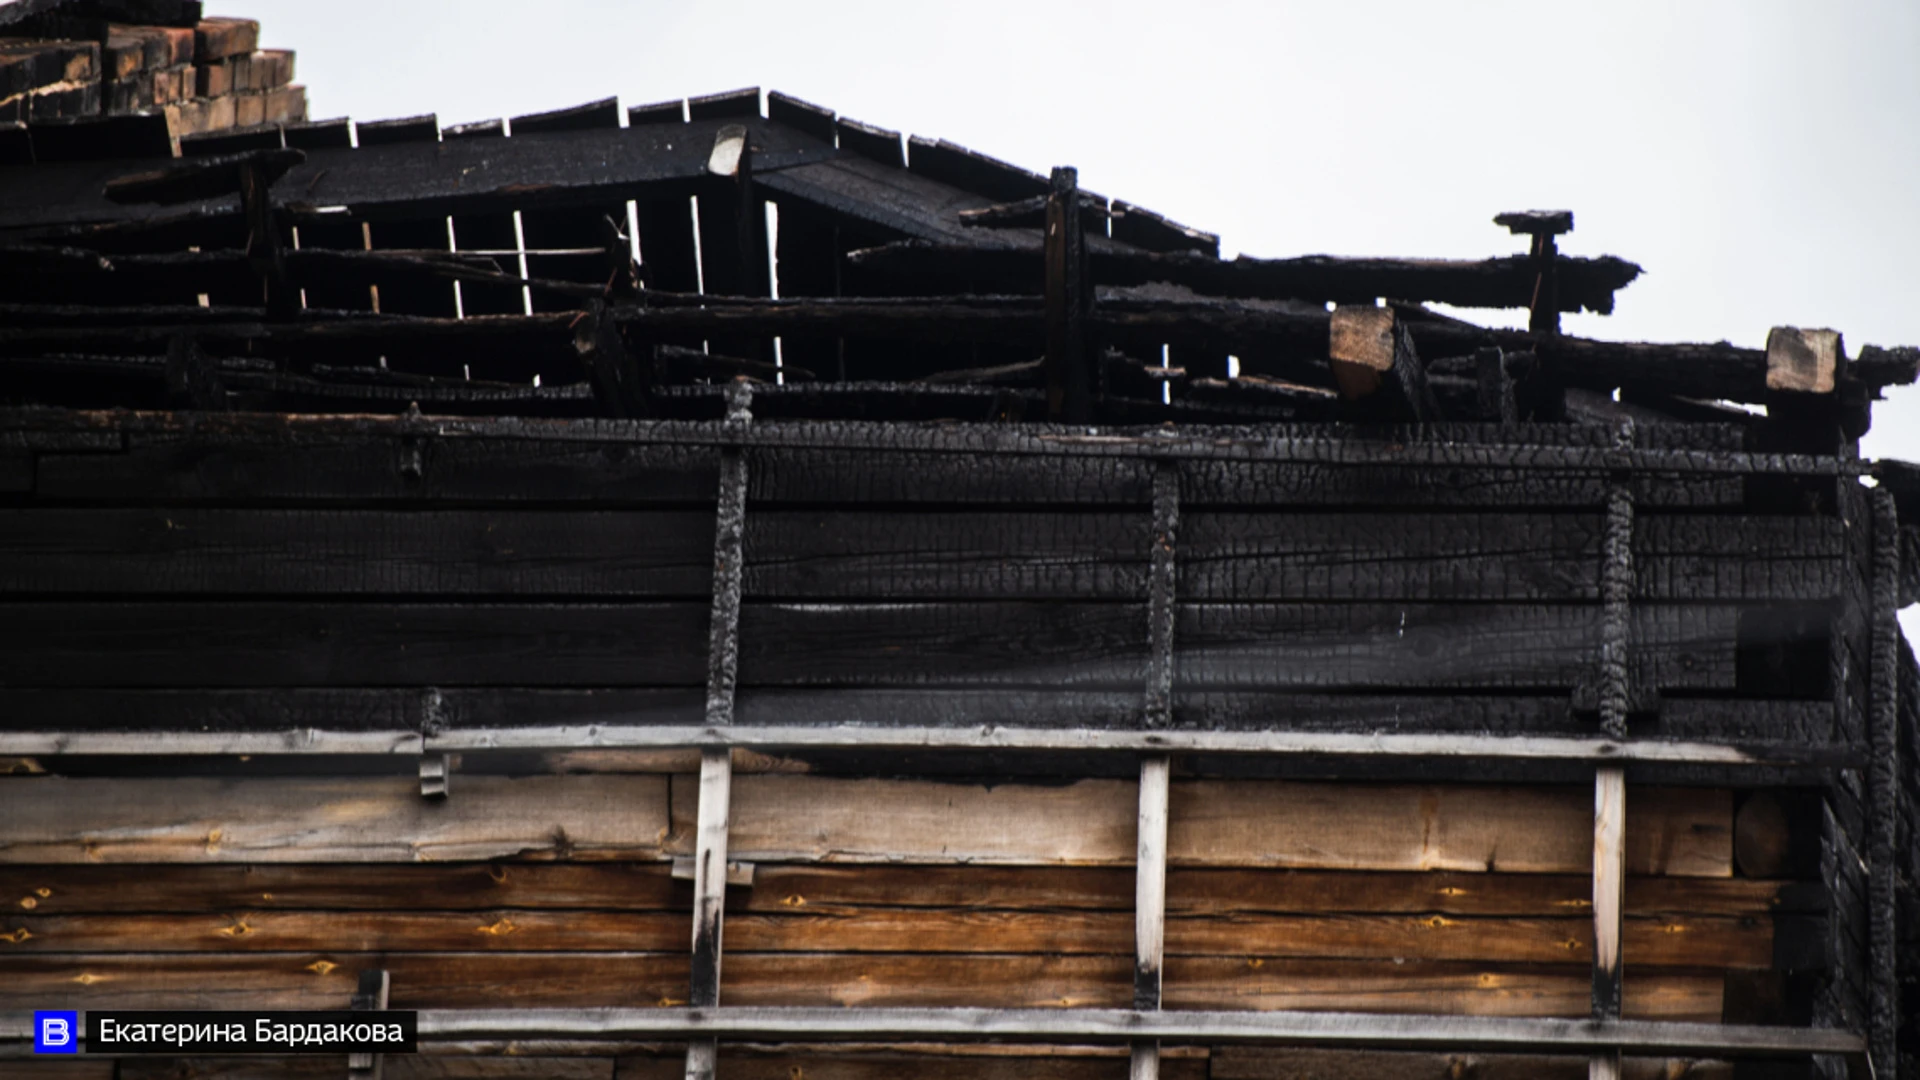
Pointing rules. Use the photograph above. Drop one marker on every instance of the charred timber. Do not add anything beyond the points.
(1507, 282)
(1297, 342)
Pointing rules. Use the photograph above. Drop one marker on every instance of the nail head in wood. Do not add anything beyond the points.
(739, 874)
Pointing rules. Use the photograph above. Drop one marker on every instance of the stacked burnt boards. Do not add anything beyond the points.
(199, 75)
(182, 571)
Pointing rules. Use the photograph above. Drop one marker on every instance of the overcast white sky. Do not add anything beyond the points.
(1759, 158)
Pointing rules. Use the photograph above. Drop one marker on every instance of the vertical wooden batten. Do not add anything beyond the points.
(716, 762)
(1150, 860)
(1070, 390)
(374, 987)
(1150, 904)
(1609, 883)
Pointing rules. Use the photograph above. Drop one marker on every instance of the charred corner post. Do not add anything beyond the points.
(918, 650)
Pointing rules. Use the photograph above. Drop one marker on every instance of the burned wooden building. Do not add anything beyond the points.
(718, 587)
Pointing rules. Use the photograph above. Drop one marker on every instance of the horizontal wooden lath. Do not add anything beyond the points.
(1097, 1025)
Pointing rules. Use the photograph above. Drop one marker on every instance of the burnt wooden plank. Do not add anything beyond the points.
(540, 170)
(359, 709)
(1192, 892)
(320, 466)
(378, 552)
(585, 228)
(668, 254)
(487, 232)
(1586, 284)
(1219, 646)
(406, 295)
(243, 644)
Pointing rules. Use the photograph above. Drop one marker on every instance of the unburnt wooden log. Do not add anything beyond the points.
(647, 1062)
(1192, 892)
(1373, 362)
(368, 819)
(509, 980)
(1804, 361)
(1214, 823)
(1303, 1063)
(394, 1067)
(1668, 942)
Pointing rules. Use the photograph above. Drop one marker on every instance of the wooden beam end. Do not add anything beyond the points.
(1360, 348)
(1804, 361)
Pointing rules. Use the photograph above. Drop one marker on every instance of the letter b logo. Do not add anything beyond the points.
(55, 1032)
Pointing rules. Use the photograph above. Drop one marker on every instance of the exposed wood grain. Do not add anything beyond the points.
(1609, 881)
(1664, 942)
(1372, 358)
(218, 889)
(1301, 1063)
(370, 819)
(1804, 361)
(1680, 832)
(710, 878)
(394, 1066)
(467, 980)
(1150, 884)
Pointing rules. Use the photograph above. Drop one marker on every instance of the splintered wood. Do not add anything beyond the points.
(205, 78)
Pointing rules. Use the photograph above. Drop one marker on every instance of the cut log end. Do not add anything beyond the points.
(1360, 348)
(1804, 361)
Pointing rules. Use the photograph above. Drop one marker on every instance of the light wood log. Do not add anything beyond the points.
(1669, 941)
(369, 819)
(827, 1064)
(522, 980)
(1682, 832)
(220, 889)
(1302, 1063)
(395, 1067)
(1372, 359)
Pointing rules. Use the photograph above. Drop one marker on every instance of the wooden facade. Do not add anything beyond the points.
(951, 624)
